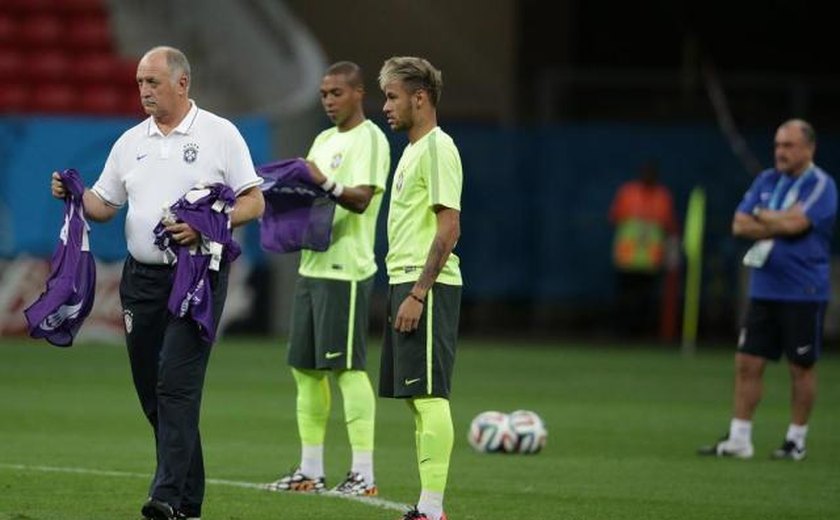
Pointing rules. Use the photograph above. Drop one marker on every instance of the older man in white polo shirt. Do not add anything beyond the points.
(150, 166)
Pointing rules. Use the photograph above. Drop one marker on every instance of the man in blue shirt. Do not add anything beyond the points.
(789, 212)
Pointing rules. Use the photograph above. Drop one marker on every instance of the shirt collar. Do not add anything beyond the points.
(183, 127)
(425, 136)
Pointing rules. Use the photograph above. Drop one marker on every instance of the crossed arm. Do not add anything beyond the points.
(766, 223)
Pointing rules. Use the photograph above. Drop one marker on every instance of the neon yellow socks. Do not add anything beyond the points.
(313, 410)
(435, 438)
(359, 414)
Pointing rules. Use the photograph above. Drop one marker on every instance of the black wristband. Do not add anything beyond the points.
(419, 299)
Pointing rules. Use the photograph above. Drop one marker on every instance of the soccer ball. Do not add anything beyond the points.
(529, 431)
(490, 432)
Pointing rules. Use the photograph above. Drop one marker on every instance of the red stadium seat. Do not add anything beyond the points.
(54, 98)
(57, 56)
(11, 64)
(48, 65)
(31, 6)
(131, 103)
(54, 6)
(89, 33)
(8, 29)
(101, 99)
(126, 74)
(97, 67)
(13, 98)
(41, 30)
(83, 6)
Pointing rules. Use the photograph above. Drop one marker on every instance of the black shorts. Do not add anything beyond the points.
(420, 363)
(330, 324)
(775, 327)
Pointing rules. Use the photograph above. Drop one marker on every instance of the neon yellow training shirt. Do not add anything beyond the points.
(357, 157)
(429, 173)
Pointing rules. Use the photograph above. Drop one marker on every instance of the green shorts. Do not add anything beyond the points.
(420, 363)
(330, 324)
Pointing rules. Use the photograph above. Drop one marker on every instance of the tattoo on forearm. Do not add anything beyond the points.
(438, 253)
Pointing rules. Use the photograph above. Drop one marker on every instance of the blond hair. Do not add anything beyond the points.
(415, 74)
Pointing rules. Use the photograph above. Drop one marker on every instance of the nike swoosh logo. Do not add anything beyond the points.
(142, 156)
(60, 315)
(427, 459)
(803, 349)
(333, 355)
(411, 381)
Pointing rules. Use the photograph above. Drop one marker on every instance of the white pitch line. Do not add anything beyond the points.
(372, 501)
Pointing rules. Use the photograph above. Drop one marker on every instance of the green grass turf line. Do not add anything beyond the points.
(623, 426)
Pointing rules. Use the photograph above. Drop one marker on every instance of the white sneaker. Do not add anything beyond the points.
(789, 450)
(356, 485)
(296, 481)
(728, 448)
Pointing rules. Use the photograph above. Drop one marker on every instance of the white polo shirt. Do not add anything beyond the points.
(151, 171)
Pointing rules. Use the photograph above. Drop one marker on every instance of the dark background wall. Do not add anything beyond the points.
(472, 41)
(643, 60)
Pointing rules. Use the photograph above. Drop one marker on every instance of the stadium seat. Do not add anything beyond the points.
(54, 6)
(8, 29)
(11, 64)
(109, 98)
(99, 66)
(48, 66)
(127, 74)
(101, 99)
(53, 98)
(57, 56)
(83, 6)
(13, 98)
(30, 6)
(40, 30)
(131, 104)
(89, 33)
(96, 66)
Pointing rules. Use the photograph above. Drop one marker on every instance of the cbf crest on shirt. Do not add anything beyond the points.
(190, 153)
(429, 174)
(150, 171)
(356, 157)
(398, 183)
(335, 162)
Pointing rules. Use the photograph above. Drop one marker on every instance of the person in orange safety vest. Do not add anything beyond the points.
(645, 242)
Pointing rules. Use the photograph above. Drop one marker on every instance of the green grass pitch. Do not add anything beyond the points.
(623, 425)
